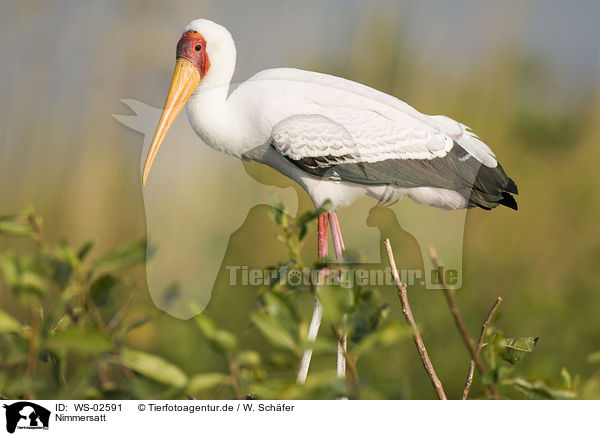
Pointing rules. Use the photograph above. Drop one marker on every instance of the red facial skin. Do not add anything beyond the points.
(192, 47)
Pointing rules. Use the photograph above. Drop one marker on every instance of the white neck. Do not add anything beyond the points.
(209, 115)
(213, 116)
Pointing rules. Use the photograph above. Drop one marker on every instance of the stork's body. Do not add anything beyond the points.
(336, 138)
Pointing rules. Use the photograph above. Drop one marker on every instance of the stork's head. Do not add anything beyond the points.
(204, 53)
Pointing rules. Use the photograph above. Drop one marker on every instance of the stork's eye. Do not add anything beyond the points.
(198, 47)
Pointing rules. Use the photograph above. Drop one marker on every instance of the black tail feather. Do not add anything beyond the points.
(509, 201)
(492, 187)
(512, 187)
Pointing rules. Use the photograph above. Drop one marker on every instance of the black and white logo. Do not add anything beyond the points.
(26, 415)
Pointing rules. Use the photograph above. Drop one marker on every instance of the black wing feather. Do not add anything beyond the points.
(459, 171)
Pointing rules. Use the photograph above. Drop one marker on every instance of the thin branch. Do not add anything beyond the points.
(469, 380)
(460, 324)
(486, 323)
(351, 363)
(437, 384)
(484, 327)
(449, 294)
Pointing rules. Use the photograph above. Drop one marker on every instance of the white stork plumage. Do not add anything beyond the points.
(336, 138)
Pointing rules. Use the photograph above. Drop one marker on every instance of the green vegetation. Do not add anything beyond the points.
(76, 342)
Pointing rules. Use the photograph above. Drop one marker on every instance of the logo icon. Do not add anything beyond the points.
(26, 415)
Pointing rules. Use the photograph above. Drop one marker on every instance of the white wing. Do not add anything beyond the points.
(315, 114)
(358, 134)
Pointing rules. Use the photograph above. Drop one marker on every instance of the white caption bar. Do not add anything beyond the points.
(305, 418)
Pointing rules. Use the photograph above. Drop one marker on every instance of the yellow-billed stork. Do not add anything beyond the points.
(336, 138)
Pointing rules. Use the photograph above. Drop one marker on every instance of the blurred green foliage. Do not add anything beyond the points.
(75, 344)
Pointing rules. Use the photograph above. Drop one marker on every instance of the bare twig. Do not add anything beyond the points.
(437, 384)
(469, 380)
(486, 323)
(351, 363)
(460, 324)
(449, 294)
(484, 327)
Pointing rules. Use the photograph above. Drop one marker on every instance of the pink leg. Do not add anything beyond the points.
(336, 235)
(322, 236)
(315, 322)
(338, 244)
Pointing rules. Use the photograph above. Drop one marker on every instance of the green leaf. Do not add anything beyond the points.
(224, 341)
(8, 324)
(85, 249)
(281, 309)
(277, 212)
(385, 336)
(128, 254)
(334, 300)
(62, 271)
(320, 385)
(9, 270)
(13, 226)
(66, 253)
(594, 357)
(30, 279)
(248, 358)
(541, 389)
(101, 287)
(206, 325)
(138, 322)
(516, 347)
(202, 382)
(153, 367)
(82, 340)
(282, 360)
(303, 222)
(368, 314)
(566, 378)
(325, 207)
(275, 333)
(30, 287)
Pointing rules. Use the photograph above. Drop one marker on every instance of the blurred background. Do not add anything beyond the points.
(525, 75)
